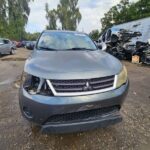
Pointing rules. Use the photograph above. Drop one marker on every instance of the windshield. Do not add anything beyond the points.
(65, 41)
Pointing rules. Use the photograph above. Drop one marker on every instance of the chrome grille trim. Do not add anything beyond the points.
(94, 91)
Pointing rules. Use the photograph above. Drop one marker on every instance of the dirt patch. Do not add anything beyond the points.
(13, 59)
(21, 55)
(133, 133)
(17, 82)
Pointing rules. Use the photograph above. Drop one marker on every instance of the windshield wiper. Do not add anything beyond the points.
(46, 48)
(80, 48)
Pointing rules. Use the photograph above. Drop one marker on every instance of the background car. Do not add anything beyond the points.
(21, 44)
(120, 43)
(30, 45)
(6, 47)
(14, 45)
(27, 44)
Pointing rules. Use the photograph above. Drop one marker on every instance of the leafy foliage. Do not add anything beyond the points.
(125, 12)
(94, 34)
(13, 18)
(31, 36)
(51, 16)
(67, 14)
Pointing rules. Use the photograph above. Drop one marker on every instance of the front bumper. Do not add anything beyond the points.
(41, 108)
(102, 121)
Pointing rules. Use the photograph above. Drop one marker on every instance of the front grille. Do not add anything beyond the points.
(83, 85)
(83, 115)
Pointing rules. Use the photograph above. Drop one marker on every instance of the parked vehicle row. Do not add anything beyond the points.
(26, 44)
(9, 47)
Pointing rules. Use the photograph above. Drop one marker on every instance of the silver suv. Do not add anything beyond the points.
(70, 85)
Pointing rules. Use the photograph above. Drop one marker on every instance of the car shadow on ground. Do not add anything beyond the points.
(3, 55)
(80, 140)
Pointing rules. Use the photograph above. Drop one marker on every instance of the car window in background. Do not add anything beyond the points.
(6, 42)
(65, 41)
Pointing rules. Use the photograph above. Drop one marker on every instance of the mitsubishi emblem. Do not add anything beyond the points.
(87, 84)
(87, 87)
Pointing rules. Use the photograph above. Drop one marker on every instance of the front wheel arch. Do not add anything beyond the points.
(12, 52)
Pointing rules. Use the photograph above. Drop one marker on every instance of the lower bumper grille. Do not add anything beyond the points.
(83, 115)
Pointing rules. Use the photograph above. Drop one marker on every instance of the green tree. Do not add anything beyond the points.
(31, 36)
(67, 14)
(125, 12)
(3, 17)
(94, 34)
(117, 14)
(13, 18)
(51, 16)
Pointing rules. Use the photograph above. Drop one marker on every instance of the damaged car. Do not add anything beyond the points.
(120, 43)
(142, 50)
(68, 84)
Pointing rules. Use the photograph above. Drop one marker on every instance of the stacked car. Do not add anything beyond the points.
(125, 44)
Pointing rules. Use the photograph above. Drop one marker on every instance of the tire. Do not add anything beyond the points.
(12, 52)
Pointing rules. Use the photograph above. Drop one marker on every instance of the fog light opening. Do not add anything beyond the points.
(27, 112)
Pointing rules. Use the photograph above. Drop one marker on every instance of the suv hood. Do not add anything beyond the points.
(72, 64)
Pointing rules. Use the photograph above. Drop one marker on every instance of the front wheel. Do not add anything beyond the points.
(12, 52)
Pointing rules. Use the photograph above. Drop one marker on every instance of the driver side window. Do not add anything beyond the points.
(6, 41)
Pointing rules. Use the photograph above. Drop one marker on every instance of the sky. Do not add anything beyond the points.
(92, 11)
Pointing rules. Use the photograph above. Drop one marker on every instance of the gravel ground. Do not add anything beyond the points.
(17, 134)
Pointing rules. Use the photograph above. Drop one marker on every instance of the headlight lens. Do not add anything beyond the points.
(35, 85)
(122, 77)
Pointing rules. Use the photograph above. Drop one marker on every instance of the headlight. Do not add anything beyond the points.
(122, 77)
(35, 85)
